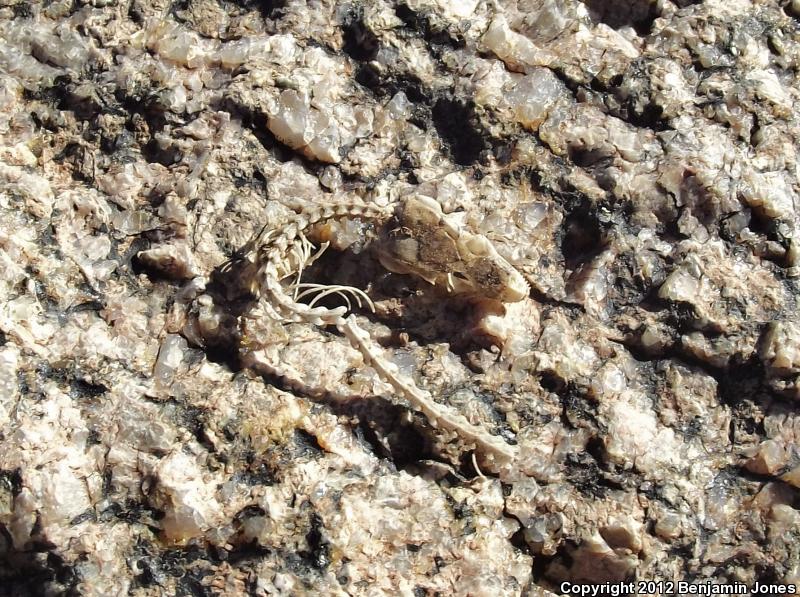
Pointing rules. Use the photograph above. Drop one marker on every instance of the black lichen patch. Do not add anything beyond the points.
(190, 566)
(85, 389)
(421, 24)
(577, 410)
(318, 553)
(85, 516)
(11, 482)
(584, 473)
(257, 473)
(22, 10)
(131, 512)
(193, 419)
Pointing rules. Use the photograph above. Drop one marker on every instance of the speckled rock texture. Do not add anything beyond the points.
(636, 161)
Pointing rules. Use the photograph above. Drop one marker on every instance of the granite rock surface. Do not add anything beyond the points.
(636, 161)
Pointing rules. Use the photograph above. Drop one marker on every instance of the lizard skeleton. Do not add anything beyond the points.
(423, 242)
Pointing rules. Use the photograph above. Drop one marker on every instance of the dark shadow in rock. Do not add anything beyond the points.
(230, 284)
(35, 572)
(412, 306)
(394, 432)
(360, 43)
(459, 127)
(638, 14)
(269, 9)
(386, 85)
(583, 237)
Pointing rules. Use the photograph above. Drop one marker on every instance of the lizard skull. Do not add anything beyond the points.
(425, 243)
